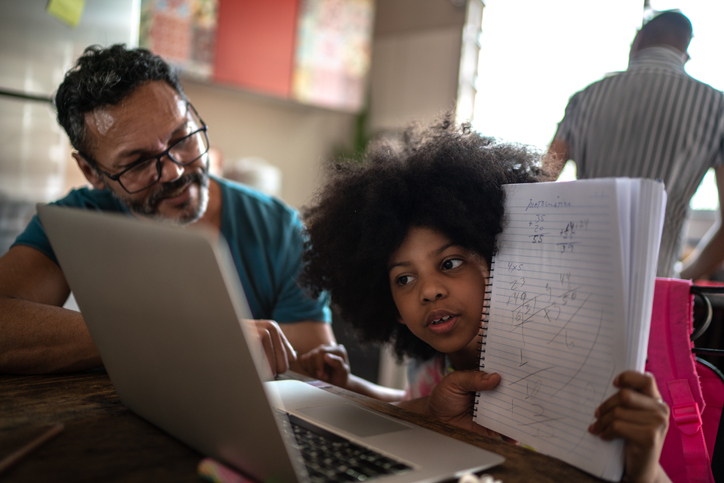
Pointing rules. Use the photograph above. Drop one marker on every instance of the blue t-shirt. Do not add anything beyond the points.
(266, 241)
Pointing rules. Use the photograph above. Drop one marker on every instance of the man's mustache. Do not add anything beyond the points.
(170, 188)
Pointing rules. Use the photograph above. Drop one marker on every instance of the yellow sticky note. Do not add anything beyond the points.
(68, 11)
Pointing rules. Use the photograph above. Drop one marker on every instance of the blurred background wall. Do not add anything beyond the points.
(286, 85)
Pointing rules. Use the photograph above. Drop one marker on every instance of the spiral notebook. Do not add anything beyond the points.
(568, 309)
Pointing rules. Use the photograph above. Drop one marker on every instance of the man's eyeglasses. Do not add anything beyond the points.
(143, 174)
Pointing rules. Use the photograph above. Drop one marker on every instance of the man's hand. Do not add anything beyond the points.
(279, 352)
(328, 363)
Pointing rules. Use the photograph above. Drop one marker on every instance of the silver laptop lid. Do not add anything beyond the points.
(163, 306)
(177, 371)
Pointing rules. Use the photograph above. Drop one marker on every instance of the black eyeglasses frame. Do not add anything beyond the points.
(159, 157)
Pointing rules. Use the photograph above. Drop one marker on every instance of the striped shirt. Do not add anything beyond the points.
(651, 121)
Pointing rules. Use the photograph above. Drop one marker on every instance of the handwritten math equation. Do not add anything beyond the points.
(565, 238)
(543, 313)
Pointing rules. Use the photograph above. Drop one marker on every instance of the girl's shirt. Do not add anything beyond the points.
(424, 375)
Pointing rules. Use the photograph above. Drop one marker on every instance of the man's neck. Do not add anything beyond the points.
(658, 48)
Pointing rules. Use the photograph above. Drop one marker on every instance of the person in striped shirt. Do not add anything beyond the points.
(653, 121)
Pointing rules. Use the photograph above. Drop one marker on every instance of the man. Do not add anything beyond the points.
(652, 121)
(144, 149)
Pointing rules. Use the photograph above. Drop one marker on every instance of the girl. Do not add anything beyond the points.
(403, 243)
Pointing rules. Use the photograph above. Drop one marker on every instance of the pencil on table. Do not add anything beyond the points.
(12, 458)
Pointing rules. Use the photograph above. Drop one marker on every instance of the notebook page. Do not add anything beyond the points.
(649, 217)
(627, 214)
(556, 323)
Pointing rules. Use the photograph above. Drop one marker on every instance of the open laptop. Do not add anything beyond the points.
(163, 306)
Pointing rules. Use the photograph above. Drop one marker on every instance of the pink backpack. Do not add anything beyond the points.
(693, 389)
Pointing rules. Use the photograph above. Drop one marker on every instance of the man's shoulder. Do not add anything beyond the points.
(86, 198)
(90, 198)
(712, 90)
(613, 83)
(248, 214)
(240, 196)
(607, 78)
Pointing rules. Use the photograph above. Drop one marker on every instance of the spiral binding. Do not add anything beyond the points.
(483, 334)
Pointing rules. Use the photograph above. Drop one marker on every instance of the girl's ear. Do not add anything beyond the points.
(398, 317)
(485, 268)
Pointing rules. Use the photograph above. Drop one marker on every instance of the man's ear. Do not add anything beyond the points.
(90, 174)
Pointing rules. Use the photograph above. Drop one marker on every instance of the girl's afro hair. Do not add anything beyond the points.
(445, 177)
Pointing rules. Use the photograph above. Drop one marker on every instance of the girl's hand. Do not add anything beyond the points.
(452, 399)
(328, 363)
(637, 414)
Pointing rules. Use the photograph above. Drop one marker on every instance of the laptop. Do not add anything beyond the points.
(163, 305)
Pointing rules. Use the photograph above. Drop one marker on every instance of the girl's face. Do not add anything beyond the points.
(438, 288)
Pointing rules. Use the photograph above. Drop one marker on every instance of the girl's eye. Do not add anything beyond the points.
(403, 280)
(451, 263)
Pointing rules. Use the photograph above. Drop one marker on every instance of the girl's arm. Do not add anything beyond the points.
(329, 363)
(368, 388)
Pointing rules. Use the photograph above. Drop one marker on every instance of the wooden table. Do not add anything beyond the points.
(105, 442)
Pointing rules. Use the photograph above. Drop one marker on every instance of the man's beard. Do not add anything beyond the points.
(148, 207)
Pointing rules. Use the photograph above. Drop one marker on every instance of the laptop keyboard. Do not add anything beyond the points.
(332, 458)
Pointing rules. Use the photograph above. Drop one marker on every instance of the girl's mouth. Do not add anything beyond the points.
(441, 320)
(443, 324)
